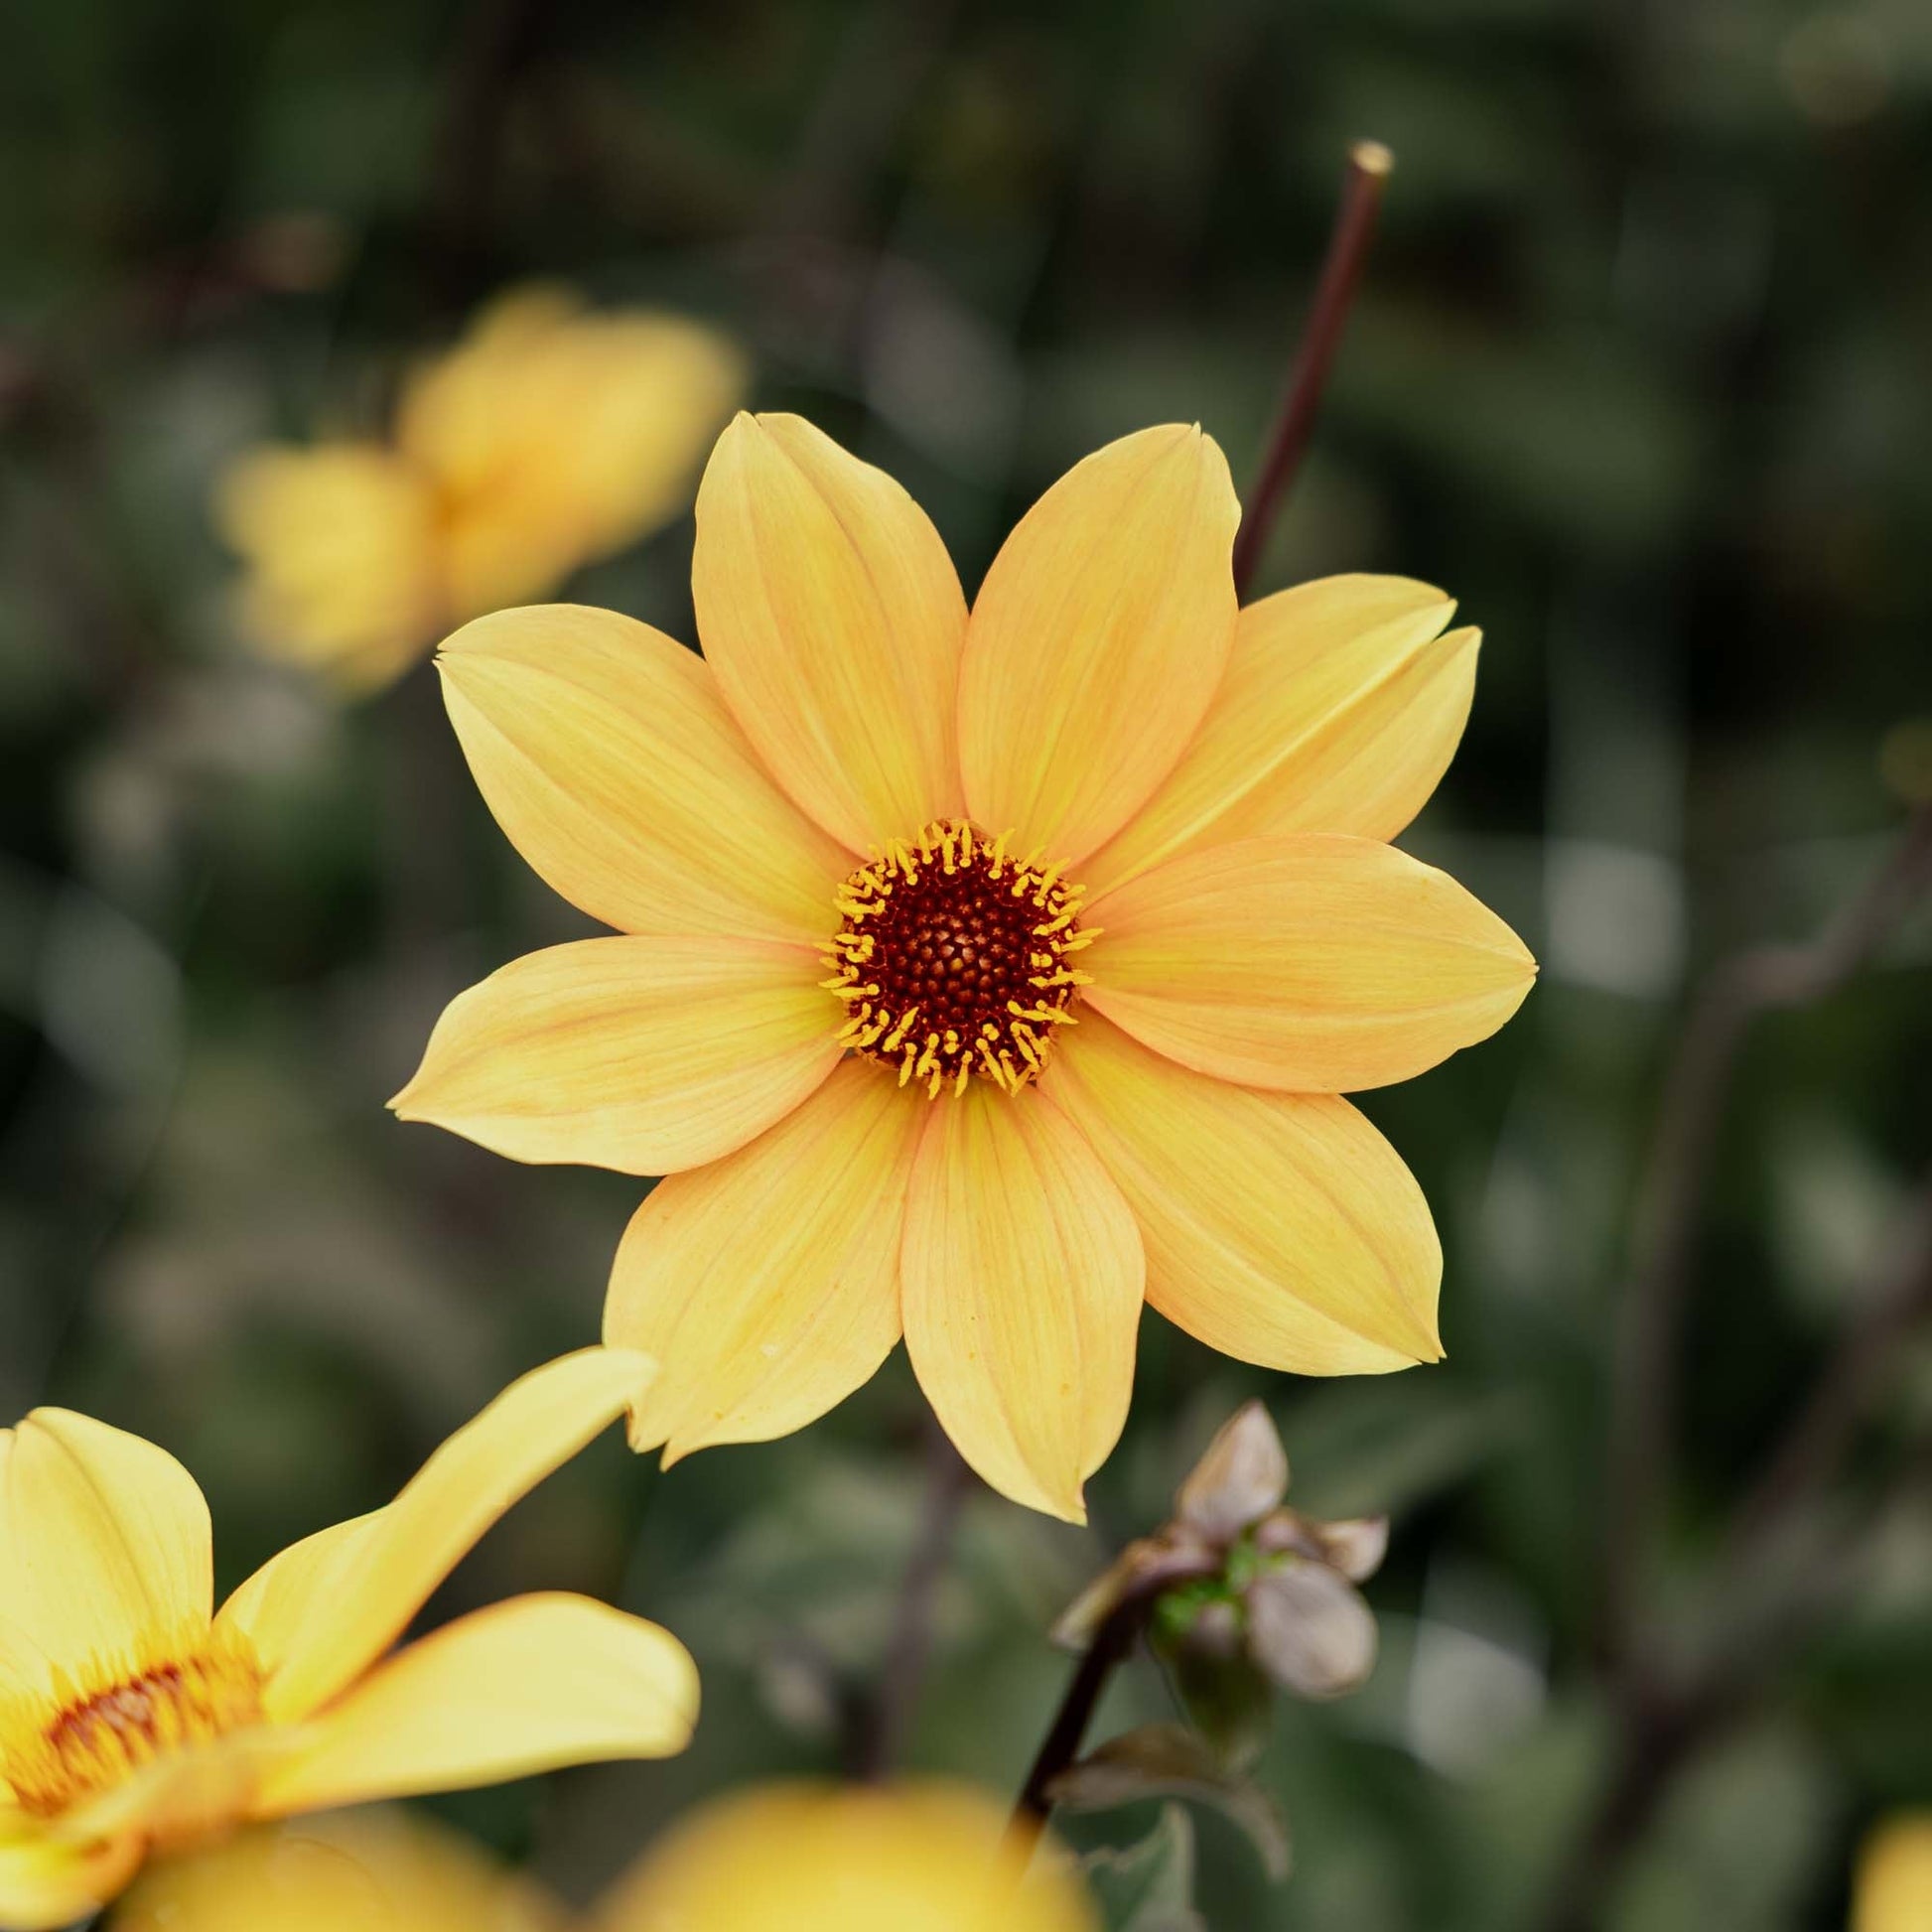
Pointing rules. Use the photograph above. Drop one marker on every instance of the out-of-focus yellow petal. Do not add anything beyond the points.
(608, 756)
(804, 1858)
(368, 1872)
(270, 1609)
(766, 1285)
(555, 435)
(832, 614)
(366, 1588)
(106, 1548)
(1310, 963)
(519, 1688)
(1097, 641)
(646, 1055)
(1021, 1287)
(1279, 1228)
(1892, 1890)
(342, 548)
(45, 1883)
(1342, 708)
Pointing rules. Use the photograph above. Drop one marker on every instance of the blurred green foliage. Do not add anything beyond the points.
(1640, 373)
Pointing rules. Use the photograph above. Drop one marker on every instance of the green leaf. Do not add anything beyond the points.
(1149, 1886)
(1171, 1762)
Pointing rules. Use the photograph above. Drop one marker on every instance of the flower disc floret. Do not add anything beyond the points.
(98, 1733)
(954, 959)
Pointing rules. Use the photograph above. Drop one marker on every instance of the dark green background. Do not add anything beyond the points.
(1640, 375)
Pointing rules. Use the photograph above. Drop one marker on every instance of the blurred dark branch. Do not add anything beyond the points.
(1765, 1617)
(495, 44)
(888, 56)
(1369, 162)
(888, 1722)
(1853, 1382)
(1696, 1089)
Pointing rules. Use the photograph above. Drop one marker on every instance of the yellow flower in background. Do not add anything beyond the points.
(550, 436)
(367, 1871)
(978, 974)
(805, 1858)
(134, 1716)
(1892, 1889)
(800, 1858)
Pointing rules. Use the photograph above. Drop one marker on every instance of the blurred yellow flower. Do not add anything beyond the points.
(915, 1858)
(1893, 1892)
(1103, 869)
(550, 436)
(365, 1873)
(134, 1716)
(803, 1858)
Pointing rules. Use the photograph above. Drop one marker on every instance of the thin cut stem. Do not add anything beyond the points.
(1112, 1644)
(889, 1722)
(1369, 162)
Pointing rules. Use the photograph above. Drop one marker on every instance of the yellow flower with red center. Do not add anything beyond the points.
(549, 435)
(978, 974)
(133, 1715)
(789, 1858)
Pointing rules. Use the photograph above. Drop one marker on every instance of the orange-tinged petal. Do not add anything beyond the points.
(1097, 641)
(45, 1883)
(646, 1055)
(368, 1587)
(832, 614)
(1279, 1228)
(1313, 964)
(808, 1857)
(609, 757)
(766, 1285)
(1342, 708)
(105, 1547)
(523, 1686)
(1022, 1285)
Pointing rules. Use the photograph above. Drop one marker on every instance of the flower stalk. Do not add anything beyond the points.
(1370, 167)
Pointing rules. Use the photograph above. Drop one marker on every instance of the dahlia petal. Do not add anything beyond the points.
(833, 618)
(106, 1546)
(1022, 1285)
(1342, 704)
(365, 1590)
(646, 1055)
(1312, 963)
(766, 1284)
(1097, 641)
(45, 1883)
(523, 1686)
(1279, 1228)
(608, 756)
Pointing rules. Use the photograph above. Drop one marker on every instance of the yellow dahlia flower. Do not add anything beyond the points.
(134, 1716)
(549, 435)
(977, 974)
(1893, 1892)
(916, 1858)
